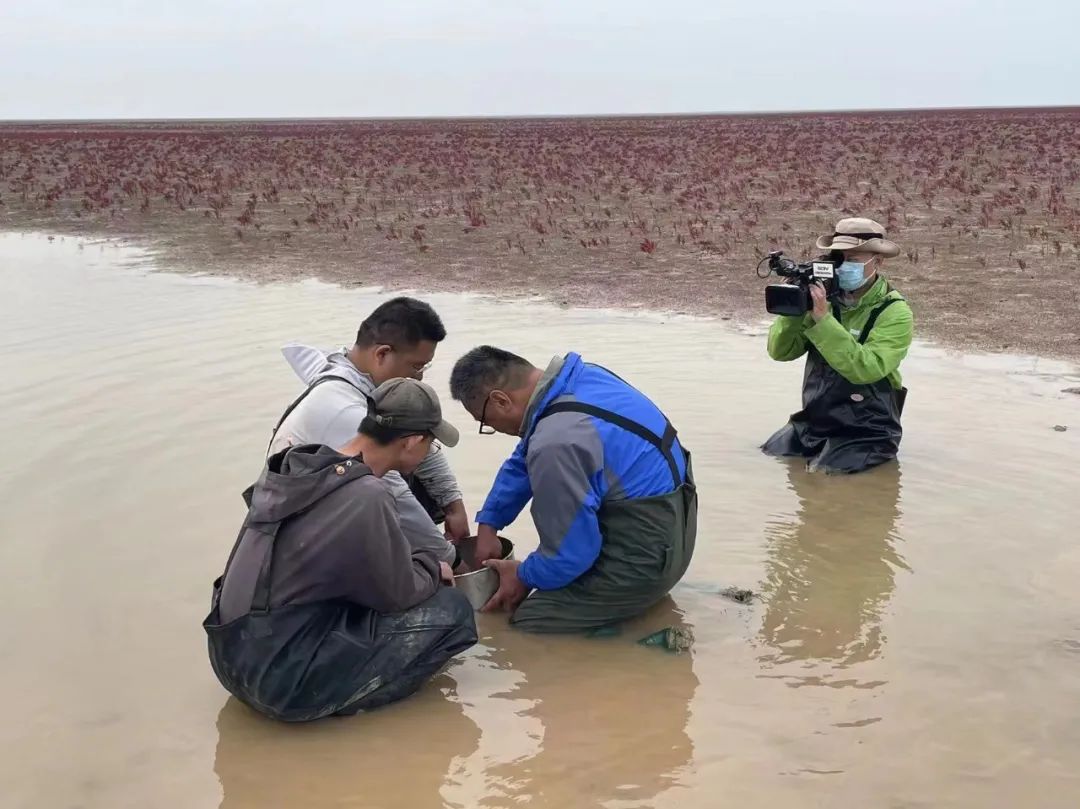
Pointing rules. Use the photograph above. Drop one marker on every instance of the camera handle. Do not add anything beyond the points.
(776, 261)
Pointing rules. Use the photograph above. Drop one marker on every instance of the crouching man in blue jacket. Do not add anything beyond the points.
(612, 491)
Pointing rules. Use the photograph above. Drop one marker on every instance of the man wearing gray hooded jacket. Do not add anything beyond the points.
(325, 608)
(397, 340)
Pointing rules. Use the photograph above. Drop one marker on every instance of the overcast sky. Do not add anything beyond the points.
(304, 58)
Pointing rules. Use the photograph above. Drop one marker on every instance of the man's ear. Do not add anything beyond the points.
(501, 399)
(381, 352)
(413, 441)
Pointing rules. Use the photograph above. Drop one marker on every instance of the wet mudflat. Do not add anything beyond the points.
(916, 641)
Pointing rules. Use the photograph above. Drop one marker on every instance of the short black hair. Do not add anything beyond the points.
(484, 369)
(401, 322)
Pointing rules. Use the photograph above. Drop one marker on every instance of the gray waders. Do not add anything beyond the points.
(647, 546)
(307, 661)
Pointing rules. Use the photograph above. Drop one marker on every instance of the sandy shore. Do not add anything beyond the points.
(665, 214)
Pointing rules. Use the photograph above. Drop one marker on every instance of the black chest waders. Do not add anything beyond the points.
(647, 544)
(307, 661)
(842, 427)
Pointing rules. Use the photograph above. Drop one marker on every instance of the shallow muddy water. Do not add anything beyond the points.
(916, 643)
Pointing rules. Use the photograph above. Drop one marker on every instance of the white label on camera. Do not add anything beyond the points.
(822, 269)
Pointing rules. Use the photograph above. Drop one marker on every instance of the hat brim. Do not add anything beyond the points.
(846, 243)
(446, 433)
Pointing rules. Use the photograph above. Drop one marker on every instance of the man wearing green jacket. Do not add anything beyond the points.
(853, 394)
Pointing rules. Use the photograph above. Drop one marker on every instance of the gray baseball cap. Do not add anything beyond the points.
(411, 406)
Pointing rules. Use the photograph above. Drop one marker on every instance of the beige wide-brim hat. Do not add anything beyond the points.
(857, 233)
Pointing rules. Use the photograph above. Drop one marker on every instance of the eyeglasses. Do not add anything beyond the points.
(485, 429)
(418, 367)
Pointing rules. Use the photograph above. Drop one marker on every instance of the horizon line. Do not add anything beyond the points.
(552, 116)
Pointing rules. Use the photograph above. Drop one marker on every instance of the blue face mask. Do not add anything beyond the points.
(850, 275)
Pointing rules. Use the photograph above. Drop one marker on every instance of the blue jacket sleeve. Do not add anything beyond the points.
(566, 466)
(509, 493)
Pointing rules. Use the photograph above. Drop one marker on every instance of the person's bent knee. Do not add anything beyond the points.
(454, 608)
(551, 623)
(546, 612)
(552, 614)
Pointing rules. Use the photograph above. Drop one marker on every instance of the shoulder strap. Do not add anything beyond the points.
(260, 601)
(296, 402)
(874, 315)
(228, 563)
(607, 371)
(664, 444)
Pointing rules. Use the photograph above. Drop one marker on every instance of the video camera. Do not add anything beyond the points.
(794, 298)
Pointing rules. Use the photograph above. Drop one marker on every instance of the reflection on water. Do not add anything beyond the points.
(610, 728)
(339, 762)
(137, 407)
(830, 569)
(613, 725)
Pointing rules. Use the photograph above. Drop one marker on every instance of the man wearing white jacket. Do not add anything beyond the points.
(398, 339)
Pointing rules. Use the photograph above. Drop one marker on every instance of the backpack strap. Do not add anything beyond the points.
(296, 402)
(662, 443)
(260, 601)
